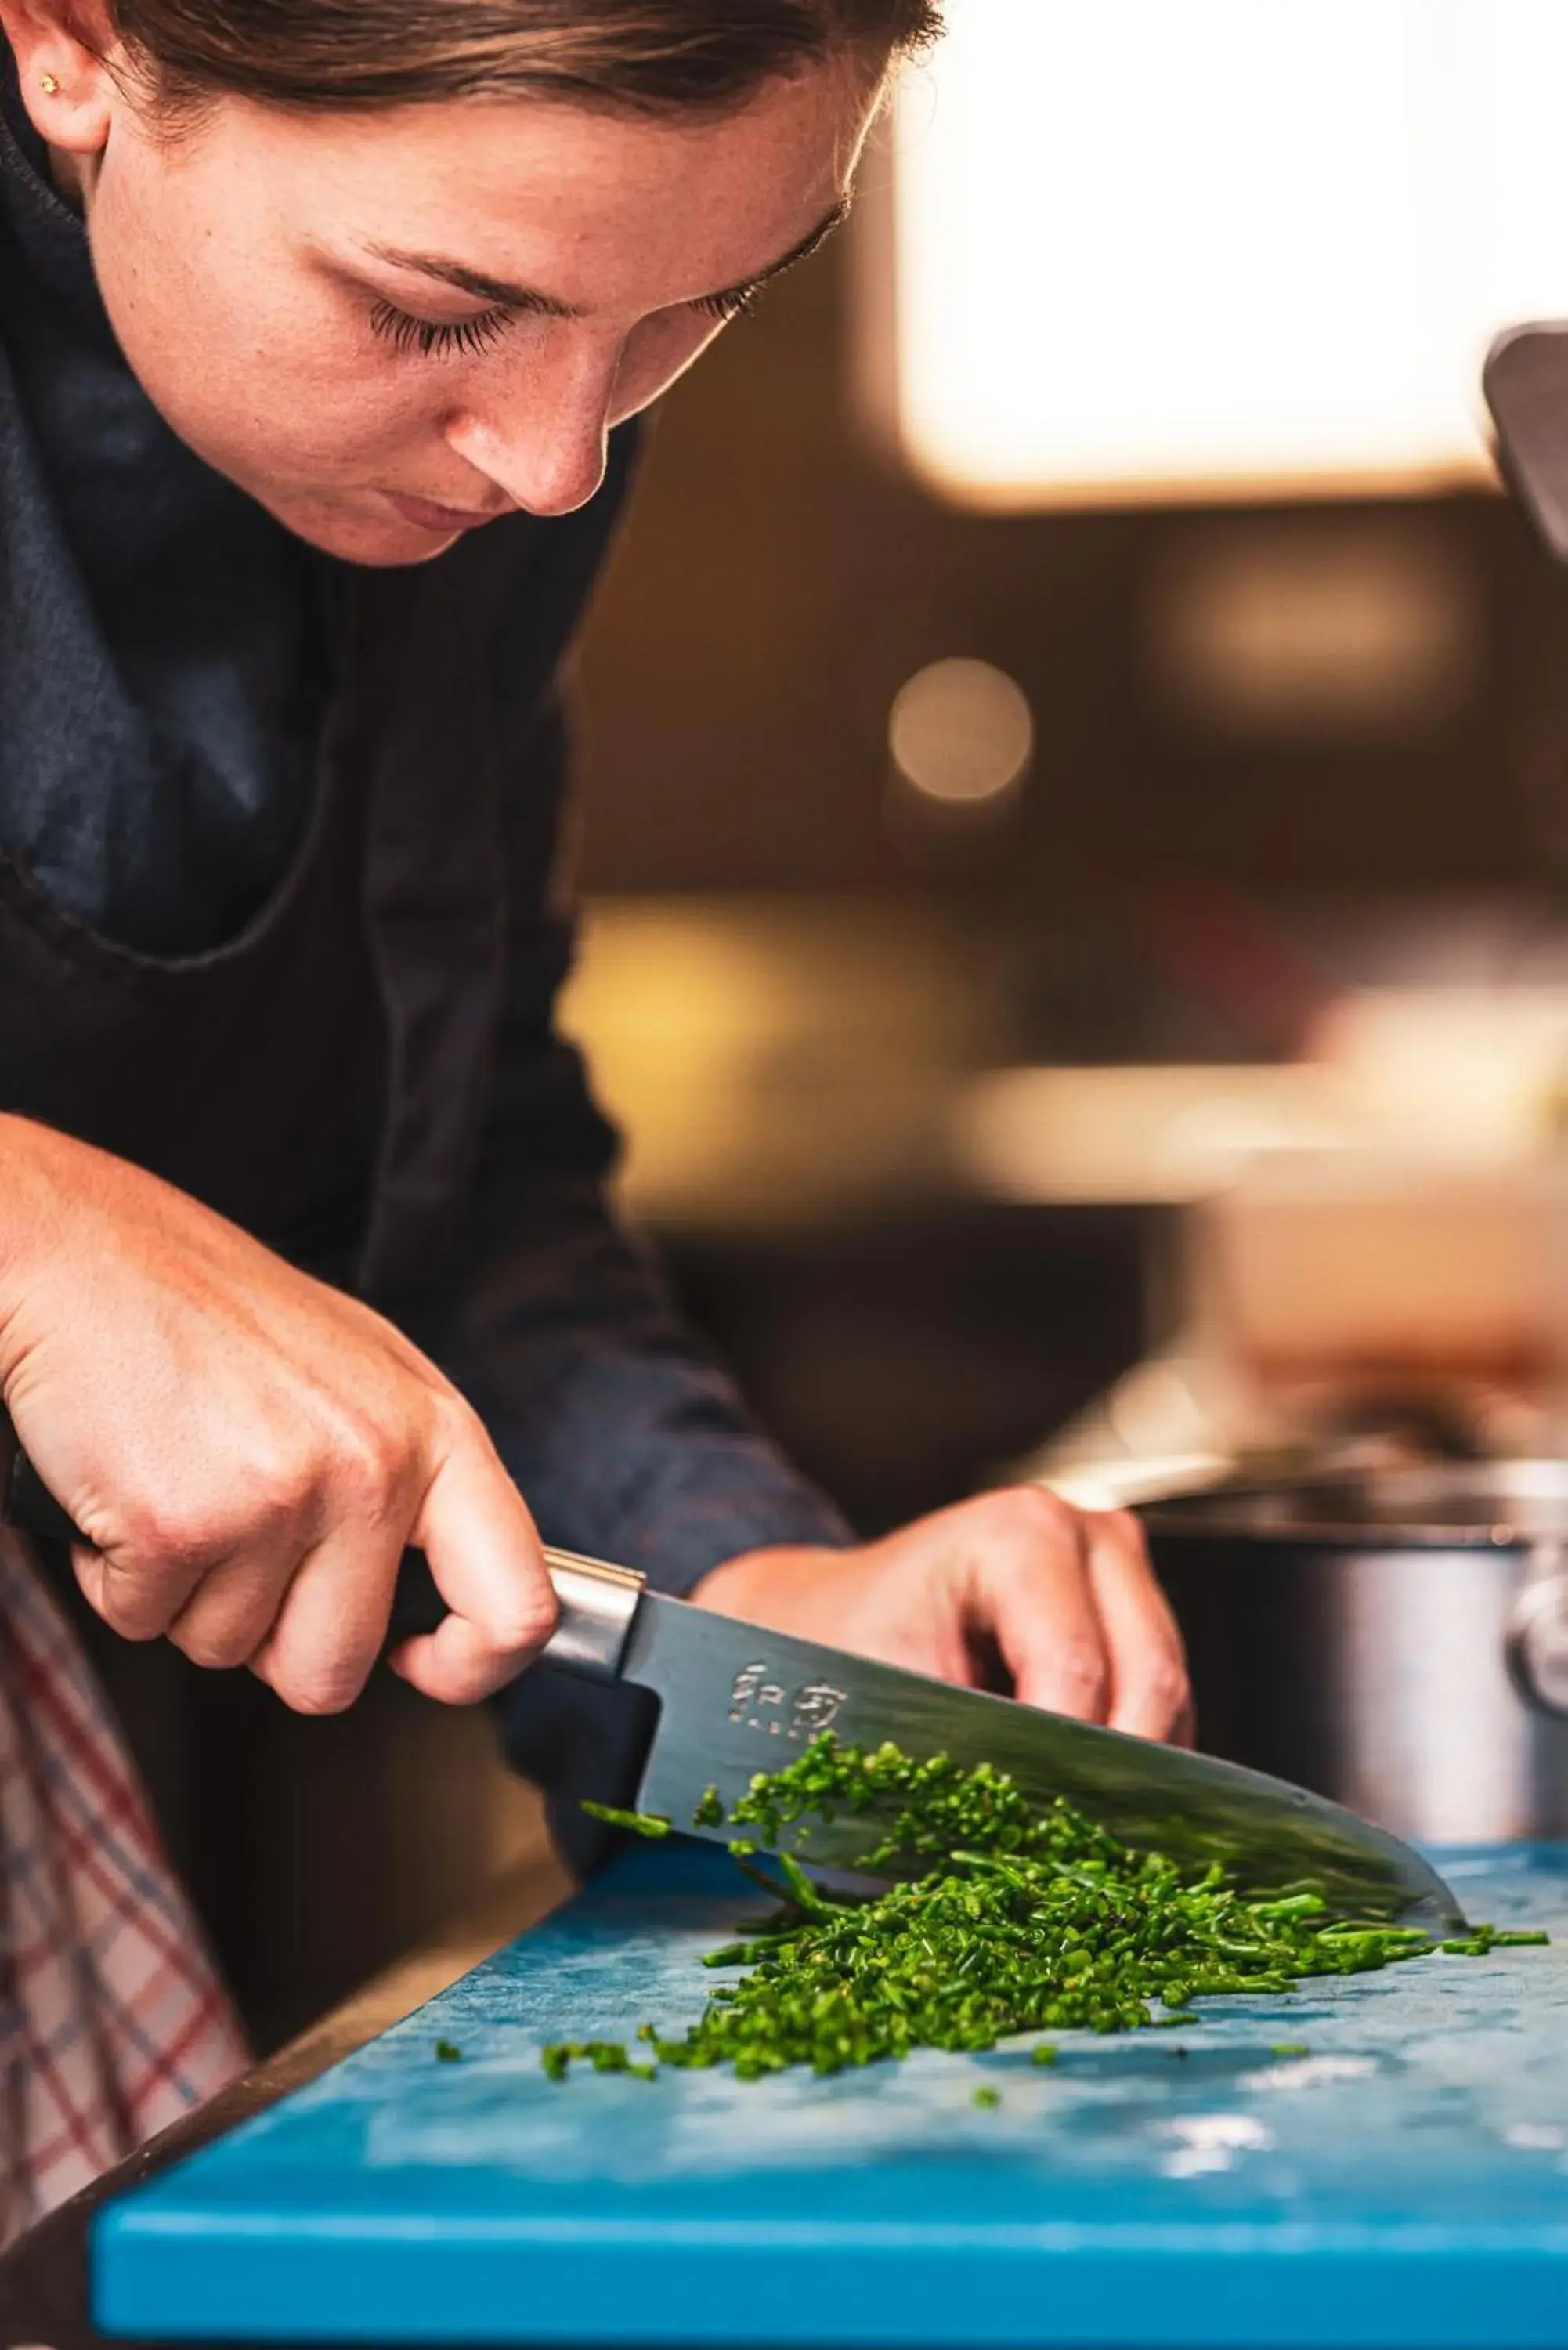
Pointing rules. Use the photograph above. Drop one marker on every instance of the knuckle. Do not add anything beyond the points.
(1029, 1515)
(1168, 1689)
(140, 1578)
(372, 1468)
(455, 1425)
(319, 1688)
(269, 1519)
(526, 1623)
(215, 1647)
(256, 1503)
(1080, 1674)
(284, 1481)
(130, 1605)
(150, 1533)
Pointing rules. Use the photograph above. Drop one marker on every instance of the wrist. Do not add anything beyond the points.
(34, 1222)
(25, 1206)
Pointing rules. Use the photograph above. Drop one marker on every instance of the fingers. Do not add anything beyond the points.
(474, 1529)
(232, 1609)
(1149, 1693)
(303, 1594)
(1035, 1591)
(141, 1561)
(246, 1450)
(137, 1598)
(321, 1650)
(1073, 1604)
(313, 1629)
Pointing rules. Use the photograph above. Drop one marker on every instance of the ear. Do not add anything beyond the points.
(63, 50)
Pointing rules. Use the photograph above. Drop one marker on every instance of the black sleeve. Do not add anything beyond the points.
(628, 1440)
(625, 1437)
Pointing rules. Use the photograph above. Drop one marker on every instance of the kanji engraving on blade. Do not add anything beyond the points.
(816, 1707)
(748, 1682)
(767, 1705)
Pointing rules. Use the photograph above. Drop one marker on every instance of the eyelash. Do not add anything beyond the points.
(739, 304)
(408, 334)
(432, 339)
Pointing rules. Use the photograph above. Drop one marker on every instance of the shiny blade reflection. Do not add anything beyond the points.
(736, 1700)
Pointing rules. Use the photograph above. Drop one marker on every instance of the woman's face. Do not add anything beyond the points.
(390, 327)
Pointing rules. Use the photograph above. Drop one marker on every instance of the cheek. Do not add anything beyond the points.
(661, 349)
(254, 362)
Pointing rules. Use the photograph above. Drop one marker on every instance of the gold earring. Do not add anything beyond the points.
(51, 85)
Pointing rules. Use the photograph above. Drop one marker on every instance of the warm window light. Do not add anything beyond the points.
(1224, 248)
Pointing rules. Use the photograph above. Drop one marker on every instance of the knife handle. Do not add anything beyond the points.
(598, 1601)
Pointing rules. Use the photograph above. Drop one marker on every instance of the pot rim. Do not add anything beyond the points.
(1427, 1505)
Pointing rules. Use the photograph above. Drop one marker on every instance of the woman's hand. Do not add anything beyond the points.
(1063, 1599)
(247, 1450)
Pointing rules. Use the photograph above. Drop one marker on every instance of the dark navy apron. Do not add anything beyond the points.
(323, 1077)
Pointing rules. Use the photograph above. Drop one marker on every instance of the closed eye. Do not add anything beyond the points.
(432, 338)
(738, 301)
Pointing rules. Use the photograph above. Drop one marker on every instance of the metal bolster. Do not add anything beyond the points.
(598, 1605)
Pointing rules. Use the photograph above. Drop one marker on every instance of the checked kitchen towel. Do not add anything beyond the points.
(112, 2021)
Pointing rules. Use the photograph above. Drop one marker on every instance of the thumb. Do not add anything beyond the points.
(486, 1557)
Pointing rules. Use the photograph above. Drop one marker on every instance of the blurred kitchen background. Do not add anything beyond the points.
(1074, 834)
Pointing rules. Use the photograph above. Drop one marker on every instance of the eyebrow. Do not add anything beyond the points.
(508, 297)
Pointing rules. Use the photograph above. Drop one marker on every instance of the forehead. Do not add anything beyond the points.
(591, 204)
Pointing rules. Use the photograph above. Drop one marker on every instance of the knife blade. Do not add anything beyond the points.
(734, 1699)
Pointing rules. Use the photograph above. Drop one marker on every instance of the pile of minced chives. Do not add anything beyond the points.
(1025, 1921)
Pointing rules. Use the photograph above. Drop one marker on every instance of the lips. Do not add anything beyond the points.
(442, 521)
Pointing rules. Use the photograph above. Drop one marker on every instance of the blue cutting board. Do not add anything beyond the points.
(1405, 2184)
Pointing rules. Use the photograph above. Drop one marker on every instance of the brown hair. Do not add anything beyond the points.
(645, 55)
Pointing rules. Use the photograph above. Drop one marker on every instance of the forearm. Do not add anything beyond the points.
(628, 1440)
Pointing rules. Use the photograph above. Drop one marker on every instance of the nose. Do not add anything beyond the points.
(540, 433)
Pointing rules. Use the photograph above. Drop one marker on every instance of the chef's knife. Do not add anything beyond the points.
(734, 1699)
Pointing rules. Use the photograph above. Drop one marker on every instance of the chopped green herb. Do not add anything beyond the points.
(986, 2097)
(603, 2055)
(1482, 1938)
(448, 2051)
(1024, 1920)
(1473, 1945)
(642, 1823)
(1290, 2048)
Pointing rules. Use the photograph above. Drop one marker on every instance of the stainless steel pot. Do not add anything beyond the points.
(1396, 1638)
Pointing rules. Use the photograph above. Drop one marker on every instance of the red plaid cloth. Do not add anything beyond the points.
(112, 2021)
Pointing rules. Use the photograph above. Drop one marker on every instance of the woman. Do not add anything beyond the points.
(323, 327)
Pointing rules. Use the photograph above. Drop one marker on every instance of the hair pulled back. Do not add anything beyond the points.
(643, 56)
